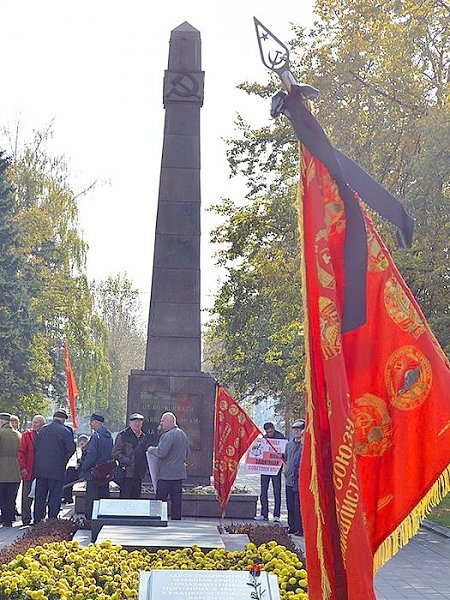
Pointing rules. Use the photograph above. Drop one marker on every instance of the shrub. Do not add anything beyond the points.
(262, 534)
(52, 530)
(65, 571)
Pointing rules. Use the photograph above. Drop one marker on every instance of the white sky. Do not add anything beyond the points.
(97, 67)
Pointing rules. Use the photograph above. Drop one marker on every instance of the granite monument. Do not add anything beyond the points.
(172, 379)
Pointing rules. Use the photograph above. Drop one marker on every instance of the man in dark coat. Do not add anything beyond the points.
(293, 454)
(98, 451)
(53, 448)
(130, 457)
(9, 470)
(271, 434)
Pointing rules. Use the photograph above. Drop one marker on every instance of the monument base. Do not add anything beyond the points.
(190, 396)
(240, 506)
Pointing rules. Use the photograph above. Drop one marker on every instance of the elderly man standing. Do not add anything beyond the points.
(98, 451)
(54, 445)
(293, 454)
(172, 451)
(271, 434)
(9, 469)
(130, 457)
(25, 456)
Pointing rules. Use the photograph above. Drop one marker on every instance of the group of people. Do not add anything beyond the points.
(39, 456)
(291, 459)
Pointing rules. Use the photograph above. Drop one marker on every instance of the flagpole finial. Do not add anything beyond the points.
(275, 56)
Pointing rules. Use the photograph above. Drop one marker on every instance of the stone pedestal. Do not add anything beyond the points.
(190, 396)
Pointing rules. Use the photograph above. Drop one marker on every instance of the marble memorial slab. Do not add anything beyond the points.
(118, 508)
(207, 585)
(131, 513)
(179, 534)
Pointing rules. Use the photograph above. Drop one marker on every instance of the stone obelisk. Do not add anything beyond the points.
(172, 379)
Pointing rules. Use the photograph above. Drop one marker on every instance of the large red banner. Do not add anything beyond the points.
(234, 432)
(377, 445)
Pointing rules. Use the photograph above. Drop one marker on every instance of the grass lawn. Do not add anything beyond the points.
(441, 514)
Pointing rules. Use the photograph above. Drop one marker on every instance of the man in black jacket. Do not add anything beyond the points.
(98, 451)
(130, 457)
(53, 447)
(271, 433)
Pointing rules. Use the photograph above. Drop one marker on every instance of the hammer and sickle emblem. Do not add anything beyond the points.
(184, 85)
(278, 60)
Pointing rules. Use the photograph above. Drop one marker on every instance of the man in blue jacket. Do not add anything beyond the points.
(53, 447)
(98, 451)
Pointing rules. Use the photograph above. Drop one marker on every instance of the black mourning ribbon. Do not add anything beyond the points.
(350, 178)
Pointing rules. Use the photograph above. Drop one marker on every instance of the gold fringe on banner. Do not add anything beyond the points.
(314, 483)
(411, 524)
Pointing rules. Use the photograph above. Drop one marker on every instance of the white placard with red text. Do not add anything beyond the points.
(264, 456)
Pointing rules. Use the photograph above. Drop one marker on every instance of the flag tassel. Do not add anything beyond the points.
(411, 524)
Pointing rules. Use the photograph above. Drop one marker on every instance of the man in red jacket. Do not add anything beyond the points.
(25, 456)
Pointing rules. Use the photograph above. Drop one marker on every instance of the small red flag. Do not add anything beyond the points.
(72, 390)
(234, 432)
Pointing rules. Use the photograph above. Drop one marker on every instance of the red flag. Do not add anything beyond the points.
(377, 445)
(234, 432)
(72, 390)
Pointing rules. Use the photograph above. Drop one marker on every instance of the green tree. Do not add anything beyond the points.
(383, 76)
(16, 331)
(61, 303)
(119, 308)
(254, 342)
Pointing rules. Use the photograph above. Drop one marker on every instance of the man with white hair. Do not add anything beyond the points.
(25, 456)
(171, 452)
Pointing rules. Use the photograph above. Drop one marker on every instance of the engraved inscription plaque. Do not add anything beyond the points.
(110, 508)
(208, 585)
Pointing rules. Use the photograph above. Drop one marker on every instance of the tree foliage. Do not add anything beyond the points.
(383, 69)
(60, 304)
(118, 305)
(16, 331)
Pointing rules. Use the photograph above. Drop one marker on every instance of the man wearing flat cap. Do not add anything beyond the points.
(53, 448)
(130, 457)
(293, 455)
(98, 451)
(9, 469)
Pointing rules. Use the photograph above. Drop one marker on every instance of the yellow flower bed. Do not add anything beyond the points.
(66, 571)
